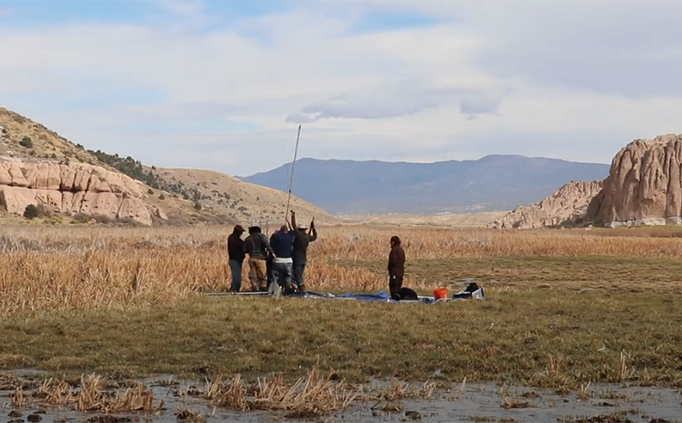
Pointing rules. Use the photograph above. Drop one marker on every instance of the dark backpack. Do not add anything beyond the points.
(468, 291)
(473, 287)
(407, 294)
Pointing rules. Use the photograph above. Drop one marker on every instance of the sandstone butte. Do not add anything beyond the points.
(568, 205)
(76, 188)
(644, 187)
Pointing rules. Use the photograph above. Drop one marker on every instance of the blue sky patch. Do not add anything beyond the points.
(386, 21)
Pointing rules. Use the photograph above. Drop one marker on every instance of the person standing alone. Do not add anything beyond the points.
(396, 267)
(235, 252)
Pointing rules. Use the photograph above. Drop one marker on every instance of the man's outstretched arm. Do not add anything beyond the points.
(312, 237)
(293, 219)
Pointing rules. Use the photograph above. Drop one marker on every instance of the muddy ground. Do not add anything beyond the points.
(182, 402)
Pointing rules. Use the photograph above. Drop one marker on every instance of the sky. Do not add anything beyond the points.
(223, 85)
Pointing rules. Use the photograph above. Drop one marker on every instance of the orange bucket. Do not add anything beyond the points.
(440, 293)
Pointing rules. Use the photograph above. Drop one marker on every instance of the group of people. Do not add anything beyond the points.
(279, 262)
(275, 263)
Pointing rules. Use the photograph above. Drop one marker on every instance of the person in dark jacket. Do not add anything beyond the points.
(300, 250)
(235, 252)
(270, 263)
(282, 243)
(257, 247)
(396, 267)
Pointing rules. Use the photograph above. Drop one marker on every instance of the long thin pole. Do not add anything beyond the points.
(291, 178)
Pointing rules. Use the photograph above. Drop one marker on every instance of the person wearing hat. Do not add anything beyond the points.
(235, 252)
(300, 249)
(257, 247)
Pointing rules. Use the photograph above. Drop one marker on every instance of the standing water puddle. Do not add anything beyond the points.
(485, 403)
(469, 403)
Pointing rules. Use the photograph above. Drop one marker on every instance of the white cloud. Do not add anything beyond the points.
(564, 79)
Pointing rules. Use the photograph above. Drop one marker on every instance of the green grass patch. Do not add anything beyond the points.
(541, 338)
(633, 274)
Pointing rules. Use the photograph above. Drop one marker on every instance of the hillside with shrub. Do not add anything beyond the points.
(186, 196)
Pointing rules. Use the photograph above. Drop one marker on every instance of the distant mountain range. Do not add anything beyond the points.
(494, 182)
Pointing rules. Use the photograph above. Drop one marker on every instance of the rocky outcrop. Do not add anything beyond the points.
(568, 205)
(76, 188)
(644, 186)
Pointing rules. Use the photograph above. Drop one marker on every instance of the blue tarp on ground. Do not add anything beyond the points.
(380, 297)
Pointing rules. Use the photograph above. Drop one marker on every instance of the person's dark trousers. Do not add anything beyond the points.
(299, 269)
(395, 282)
(236, 272)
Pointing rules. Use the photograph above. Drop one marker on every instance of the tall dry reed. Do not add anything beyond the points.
(91, 267)
(314, 395)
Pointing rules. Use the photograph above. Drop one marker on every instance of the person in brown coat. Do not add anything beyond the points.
(396, 267)
(257, 247)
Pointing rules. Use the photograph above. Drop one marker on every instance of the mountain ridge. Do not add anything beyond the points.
(490, 183)
(481, 159)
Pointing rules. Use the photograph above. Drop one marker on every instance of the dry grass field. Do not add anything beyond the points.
(65, 267)
(468, 220)
(565, 306)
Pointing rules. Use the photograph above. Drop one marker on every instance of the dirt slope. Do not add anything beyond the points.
(185, 196)
(46, 144)
(242, 201)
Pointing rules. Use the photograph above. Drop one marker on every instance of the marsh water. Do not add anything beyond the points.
(465, 403)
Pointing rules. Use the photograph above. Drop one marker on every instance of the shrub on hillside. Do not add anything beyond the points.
(80, 218)
(26, 142)
(100, 218)
(31, 212)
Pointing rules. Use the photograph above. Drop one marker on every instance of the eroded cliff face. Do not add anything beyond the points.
(644, 186)
(568, 205)
(74, 188)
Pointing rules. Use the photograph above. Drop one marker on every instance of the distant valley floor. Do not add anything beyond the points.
(469, 220)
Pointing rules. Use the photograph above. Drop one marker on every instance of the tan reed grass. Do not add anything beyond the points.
(93, 397)
(101, 267)
(311, 395)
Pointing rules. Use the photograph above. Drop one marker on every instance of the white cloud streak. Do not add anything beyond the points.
(540, 78)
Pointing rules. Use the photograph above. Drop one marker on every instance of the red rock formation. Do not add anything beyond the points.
(644, 185)
(76, 188)
(568, 205)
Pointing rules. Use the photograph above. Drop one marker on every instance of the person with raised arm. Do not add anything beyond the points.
(302, 239)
